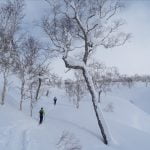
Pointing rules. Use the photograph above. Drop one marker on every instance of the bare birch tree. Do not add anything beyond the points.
(103, 77)
(30, 68)
(77, 29)
(10, 20)
(79, 87)
(69, 87)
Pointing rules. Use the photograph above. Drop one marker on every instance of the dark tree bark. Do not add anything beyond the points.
(4, 88)
(47, 93)
(22, 93)
(38, 89)
(99, 96)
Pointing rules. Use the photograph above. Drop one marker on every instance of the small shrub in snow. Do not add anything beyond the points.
(109, 108)
(68, 141)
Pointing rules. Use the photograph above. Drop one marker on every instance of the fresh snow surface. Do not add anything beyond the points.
(128, 121)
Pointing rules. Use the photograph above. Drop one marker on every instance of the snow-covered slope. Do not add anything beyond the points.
(129, 125)
(139, 95)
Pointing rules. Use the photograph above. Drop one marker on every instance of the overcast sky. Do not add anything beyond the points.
(132, 58)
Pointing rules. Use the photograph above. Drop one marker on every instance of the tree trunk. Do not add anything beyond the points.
(4, 88)
(22, 93)
(47, 93)
(31, 104)
(146, 83)
(99, 115)
(38, 89)
(78, 100)
(99, 96)
(31, 107)
(31, 99)
(78, 96)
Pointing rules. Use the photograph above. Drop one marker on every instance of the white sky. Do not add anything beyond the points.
(132, 58)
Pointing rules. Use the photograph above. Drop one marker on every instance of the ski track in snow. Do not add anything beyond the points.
(25, 140)
(16, 137)
(75, 125)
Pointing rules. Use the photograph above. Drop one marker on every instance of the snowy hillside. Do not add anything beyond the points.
(139, 95)
(60, 84)
(129, 125)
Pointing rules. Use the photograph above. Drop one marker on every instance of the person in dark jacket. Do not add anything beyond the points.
(55, 100)
(41, 114)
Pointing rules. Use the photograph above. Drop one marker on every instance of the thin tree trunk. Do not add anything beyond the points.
(99, 116)
(4, 88)
(31, 108)
(99, 96)
(31, 105)
(38, 89)
(77, 103)
(22, 94)
(47, 93)
(146, 83)
(31, 100)
(78, 96)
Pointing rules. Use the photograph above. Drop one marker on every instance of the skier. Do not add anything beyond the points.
(41, 113)
(55, 100)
